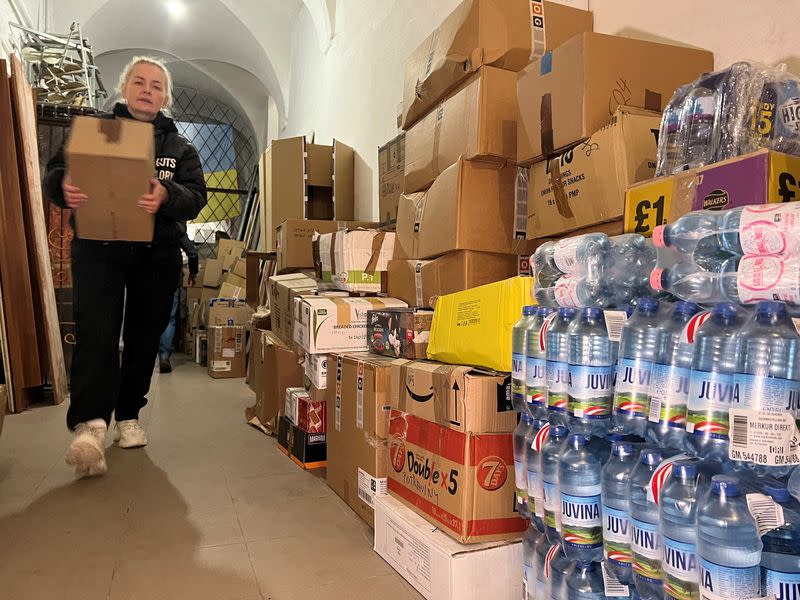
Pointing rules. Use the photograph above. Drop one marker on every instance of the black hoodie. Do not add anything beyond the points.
(177, 167)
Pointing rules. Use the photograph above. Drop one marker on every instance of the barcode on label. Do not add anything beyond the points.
(615, 319)
(655, 410)
(613, 586)
(739, 426)
(367, 498)
(767, 513)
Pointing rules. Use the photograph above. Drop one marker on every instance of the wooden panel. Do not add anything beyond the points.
(14, 266)
(36, 229)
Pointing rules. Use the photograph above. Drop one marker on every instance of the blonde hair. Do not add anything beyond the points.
(147, 60)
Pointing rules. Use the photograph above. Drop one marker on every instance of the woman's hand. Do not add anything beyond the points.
(158, 195)
(73, 196)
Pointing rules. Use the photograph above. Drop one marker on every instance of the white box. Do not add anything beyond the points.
(440, 568)
(355, 260)
(333, 324)
(316, 367)
(291, 405)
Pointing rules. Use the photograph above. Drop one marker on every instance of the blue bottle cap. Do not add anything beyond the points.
(684, 470)
(577, 439)
(558, 431)
(778, 493)
(686, 308)
(567, 312)
(648, 306)
(727, 485)
(591, 313)
(545, 310)
(526, 418)
(771, 308)
(651, 457)
(529, 311)
(726, 310)
(622, 449)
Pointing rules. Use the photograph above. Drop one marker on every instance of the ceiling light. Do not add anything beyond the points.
(175, 8)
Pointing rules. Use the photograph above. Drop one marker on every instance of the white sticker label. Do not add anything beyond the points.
(615, 319)
(369, 487)
(521, 203)
(565, 255)
(418, 284)
(767, 513)
(614, 587)
(763, 438)
(566, 291)
(338, 407)
(228, 353)
(409, 552)
(360, 396)
(761, 278)
(769, 230)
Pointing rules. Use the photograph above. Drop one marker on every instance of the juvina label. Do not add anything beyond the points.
(591, 391)
(632, 392)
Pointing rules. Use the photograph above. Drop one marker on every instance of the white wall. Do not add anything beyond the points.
(352, 92)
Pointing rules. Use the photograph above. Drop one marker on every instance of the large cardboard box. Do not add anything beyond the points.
(495, 33)
(112, 162)
(229, 248)
(453, 396)
(470, 206)
(461, 482)
(224, 311)
(568, 94)
(419, 282)
(295, 238)
(477, 122)
(332, 324)
(440, 568)
(212, 273)
(276, 368)
(354, 260)
(586, 184)
(474, 327)
(358, 398)
(300, 180)
(226, 352)
(399, 332)
(759, 178)
(283, 289)
(391, 167)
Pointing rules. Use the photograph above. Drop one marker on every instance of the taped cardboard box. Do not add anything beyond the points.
(478, 121)
(437, 566)
(226, 247)
(316, 369)
(234, 280)
(762, 177)
(228, 290)
(354, 260)
(568, 94)
(331, 324)
(295, 237)
(391, 167)
(111, 161)
(276, 368)
(419, 282)
(240, 268)
(227, 311)
(226, 352)
(470, 206)
(212, 273)
(454, 396)
(358, 405)
(461, 482)
(496, 33)
(586, 184)
(399, 332)
(282, 291)
(474, 327)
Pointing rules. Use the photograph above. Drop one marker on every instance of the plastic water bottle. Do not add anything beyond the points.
(579, 481)
(691, 282)
(671, 152)
(519, 346)
(669, 377)
(529, 540)
(768, 379)
(576, 292)
(645, 535)
(533, 448)
(557, 353)
(591, 374)
(677, 519)
(552, 494)
(712, 389)
(560, 567)
(522, 433)
(699, 126)
(545, 273)
(762, 230)
(780, 558)
(585, 582)
(584, 255)
(633, 257)
(536, 365)
(545, 551)
(685, 233)
(615, 486)
(637, 351)
(728, 543)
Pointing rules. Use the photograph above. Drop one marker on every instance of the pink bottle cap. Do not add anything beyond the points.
(658, 236)
(655, 279)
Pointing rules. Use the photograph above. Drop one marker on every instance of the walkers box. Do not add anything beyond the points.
(419, 282)
(586, 184)
(332, 324)
(570, 93)
(276, 368)
(470, 206)
(354, 260)
(308, 450)
(391, 166)
(224, 311)
(316, 369)
(295, 237)
(454, 396)
(477, 121)
(358, 400)
(226, 352)
(474, 327)
(461, 482)
(495, 33)
(440, 568)
(399, 332)
(111, 161)
(283, 289)
(762, 177)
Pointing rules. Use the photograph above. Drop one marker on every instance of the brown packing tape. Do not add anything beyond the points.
(442, 386)
(546, 117)
(437, 137)
(377, 245)
(562, 204)
(401, 385)
(111, 129)
(343, 310)
(652, 100)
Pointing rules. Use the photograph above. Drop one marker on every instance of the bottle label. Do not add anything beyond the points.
(768, 278)
(769, 229)
(763, 438)
(783, 586)
(566, 291)
(632, 393)
(616, 536)
(581, 520)
(591, 391)
(730, 582)
(518, 363)
(557, 386)
(771, 394)
(552, 506)
(612, 586)
(669, 391)
(646, 550)
(679, 564)
(767, 513)
(711, 396)
(565, 255)
(536, 381)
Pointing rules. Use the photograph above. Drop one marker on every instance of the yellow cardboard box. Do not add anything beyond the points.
(473, 327)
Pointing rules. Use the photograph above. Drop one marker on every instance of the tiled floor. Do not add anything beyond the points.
(209, 510)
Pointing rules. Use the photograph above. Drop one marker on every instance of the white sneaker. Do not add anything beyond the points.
(87, 452)
(129, 434)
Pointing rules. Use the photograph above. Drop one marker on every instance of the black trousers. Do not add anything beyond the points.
(108, 276)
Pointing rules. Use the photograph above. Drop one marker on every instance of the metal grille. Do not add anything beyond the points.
(227, 146)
